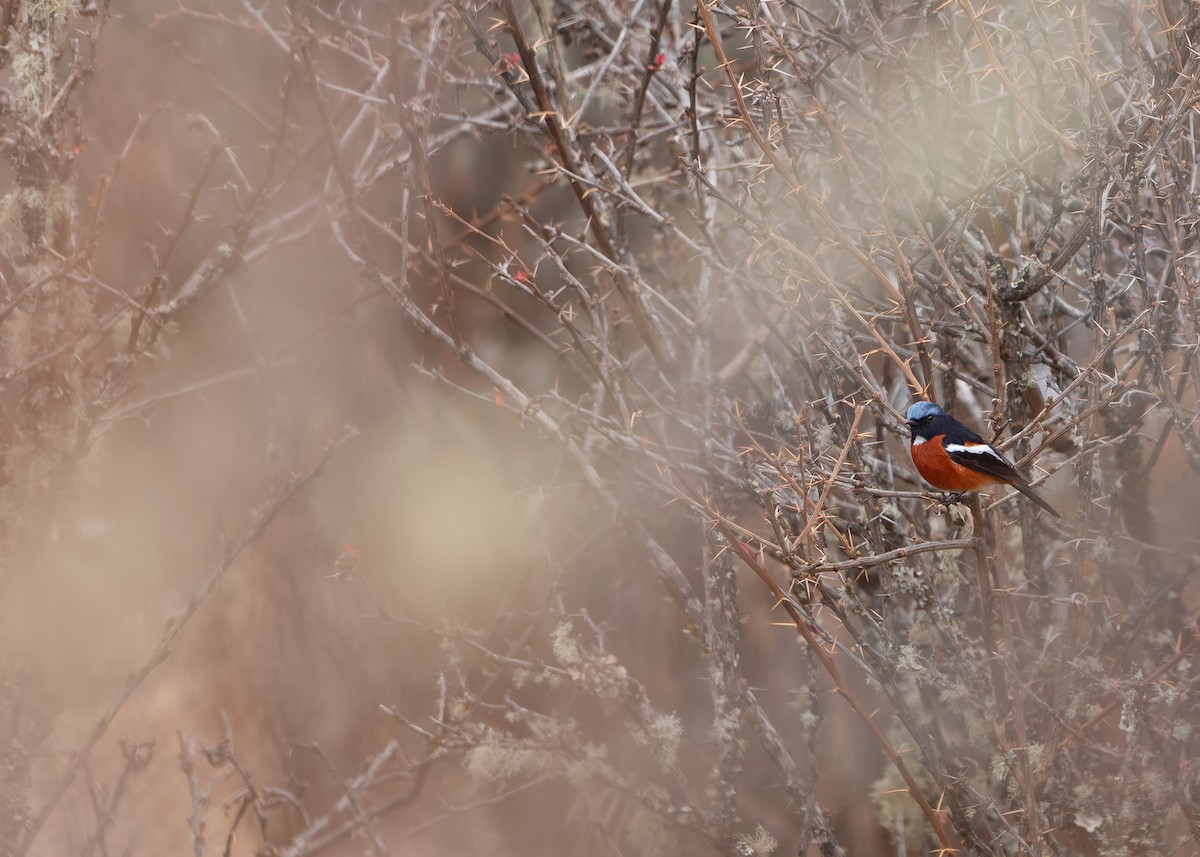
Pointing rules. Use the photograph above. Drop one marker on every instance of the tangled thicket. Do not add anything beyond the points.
(623, 299)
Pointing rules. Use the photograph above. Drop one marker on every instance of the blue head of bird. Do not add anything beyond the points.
(922, 410)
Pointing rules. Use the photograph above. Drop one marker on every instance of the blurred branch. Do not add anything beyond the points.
(261, 519)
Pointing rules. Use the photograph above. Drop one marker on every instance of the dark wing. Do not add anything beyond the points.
(984, 458)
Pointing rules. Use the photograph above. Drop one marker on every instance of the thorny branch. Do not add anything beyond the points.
(702, 256)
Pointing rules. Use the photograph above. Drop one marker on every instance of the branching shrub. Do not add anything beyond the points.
(625, 301)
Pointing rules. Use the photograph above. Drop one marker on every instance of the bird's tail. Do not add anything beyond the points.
(1026, 489)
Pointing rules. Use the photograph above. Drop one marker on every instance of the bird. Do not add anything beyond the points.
(951, 457)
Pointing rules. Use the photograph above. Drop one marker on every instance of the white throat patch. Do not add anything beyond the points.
(918, 440)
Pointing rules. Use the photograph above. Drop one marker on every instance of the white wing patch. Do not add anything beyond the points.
(976, 449)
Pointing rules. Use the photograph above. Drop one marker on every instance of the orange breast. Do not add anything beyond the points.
(941, 471)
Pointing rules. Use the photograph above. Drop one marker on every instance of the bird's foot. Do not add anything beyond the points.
(949, 500)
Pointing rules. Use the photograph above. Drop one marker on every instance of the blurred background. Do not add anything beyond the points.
(477, 427)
